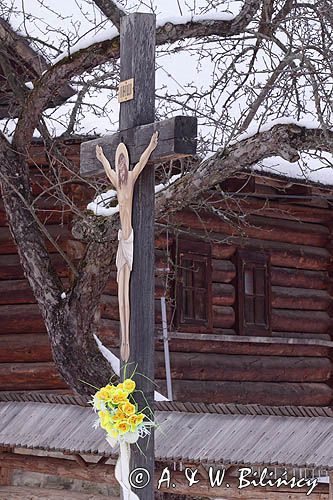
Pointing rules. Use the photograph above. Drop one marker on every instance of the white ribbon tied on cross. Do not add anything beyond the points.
(122, 469)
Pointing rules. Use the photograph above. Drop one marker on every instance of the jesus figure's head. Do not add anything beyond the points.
(122, 164)
(122, 170)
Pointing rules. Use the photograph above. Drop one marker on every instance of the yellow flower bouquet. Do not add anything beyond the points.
(118, 413)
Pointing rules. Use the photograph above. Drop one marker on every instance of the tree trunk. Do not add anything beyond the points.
(75, 351)
(70, 321)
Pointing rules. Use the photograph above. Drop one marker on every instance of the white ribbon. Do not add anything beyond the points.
(122, 469)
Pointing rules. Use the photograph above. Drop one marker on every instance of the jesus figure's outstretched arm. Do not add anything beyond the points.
(145, 156)
(107, 167)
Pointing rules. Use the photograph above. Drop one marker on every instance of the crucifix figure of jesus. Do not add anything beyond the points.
(123, 180)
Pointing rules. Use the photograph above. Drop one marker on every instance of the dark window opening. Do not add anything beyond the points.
(253, 293)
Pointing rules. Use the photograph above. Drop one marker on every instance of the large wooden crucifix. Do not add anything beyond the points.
(137, 130)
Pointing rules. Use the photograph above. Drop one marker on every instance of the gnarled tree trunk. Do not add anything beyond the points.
(70, 321)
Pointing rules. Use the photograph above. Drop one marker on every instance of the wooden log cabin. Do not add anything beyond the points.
(247, 280)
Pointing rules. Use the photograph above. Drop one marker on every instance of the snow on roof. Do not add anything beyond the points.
(309, 168)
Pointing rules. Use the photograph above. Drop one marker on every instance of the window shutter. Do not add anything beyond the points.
(253, 293)
(193, 285)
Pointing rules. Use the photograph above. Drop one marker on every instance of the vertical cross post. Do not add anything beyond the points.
(137, 60)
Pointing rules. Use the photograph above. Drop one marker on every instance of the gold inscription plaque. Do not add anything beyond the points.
(126, 90)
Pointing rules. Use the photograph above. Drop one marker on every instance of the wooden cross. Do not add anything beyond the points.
(177, 139)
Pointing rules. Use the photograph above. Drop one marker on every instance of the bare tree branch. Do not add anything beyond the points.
(99, 53)
(111, 10)
(286, 141)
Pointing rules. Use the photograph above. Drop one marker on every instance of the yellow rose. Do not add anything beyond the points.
(119, 415)
(135, 420)
(128, 409)
(119, 396)
(112, 431)
(109, 427)
(129, 385)
(139, 418)
(105, 418)
(122, 427)
(132, 422)
(103, 394)
(110, 388)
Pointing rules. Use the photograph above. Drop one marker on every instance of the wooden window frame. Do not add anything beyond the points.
(196, 251)
(257, 260)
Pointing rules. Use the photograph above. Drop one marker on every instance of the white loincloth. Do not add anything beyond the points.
(124, 252)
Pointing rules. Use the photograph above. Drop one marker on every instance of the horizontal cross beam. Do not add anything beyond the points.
(177, 139)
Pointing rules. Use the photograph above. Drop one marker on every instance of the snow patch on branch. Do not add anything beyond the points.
(106, 33)
(193, 18)
(255, 128)
(101, 204)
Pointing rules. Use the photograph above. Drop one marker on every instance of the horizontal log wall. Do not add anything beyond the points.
(268, 373)
(25, 354)
(296, 236)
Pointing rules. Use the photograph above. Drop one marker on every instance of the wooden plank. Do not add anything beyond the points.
(22, 318)
(299, 339)
(193, 345)
(265, 393)
(223, 294)
(219, 367)
(27, 348)
(16, 292)
(171, 144)
(269, 208)
(221, 246)
(223, 271)
(223, 317)
(47, 211)
(285, 320)
(300, 298)
(30, 376)
(38, 155)
(59, 467)
(10, 267)
(105, 474)
(281, 254)
(59, 233)
(299, 278)
(25, 493)
(238, 368)
(137, 56)
(6, 474)
(262, 228)
(110, 309)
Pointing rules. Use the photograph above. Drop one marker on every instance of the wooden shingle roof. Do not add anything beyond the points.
(191, 433)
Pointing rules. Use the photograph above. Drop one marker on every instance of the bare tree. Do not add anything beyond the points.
(262, 71)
